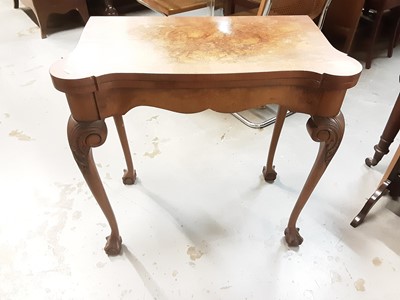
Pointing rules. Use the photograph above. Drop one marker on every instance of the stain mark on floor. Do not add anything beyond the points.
(360, 285)
(377, 261)
(194, 253)
(152, 118)
(156, 151)
(20, 135)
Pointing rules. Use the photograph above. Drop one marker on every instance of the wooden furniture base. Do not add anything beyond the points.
(191, 64)
(390, 183)
(44, 8)
(390, 180)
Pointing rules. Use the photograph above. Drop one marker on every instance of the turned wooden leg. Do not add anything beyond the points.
(269, 170)
(389, 133)
(130, 173)
(16, 3)
(82, 136)
(328, 132)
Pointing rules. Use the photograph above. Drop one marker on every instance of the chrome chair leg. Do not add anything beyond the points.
(260, 125)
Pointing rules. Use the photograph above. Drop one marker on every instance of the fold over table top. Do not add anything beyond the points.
(216, 48)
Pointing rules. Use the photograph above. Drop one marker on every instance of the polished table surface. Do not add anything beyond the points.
(190, 64)
(172, 7)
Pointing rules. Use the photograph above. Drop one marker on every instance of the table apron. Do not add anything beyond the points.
(106, 103)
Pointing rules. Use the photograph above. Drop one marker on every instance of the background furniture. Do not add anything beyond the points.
(172, 7)
(374, 10)
(44, 8)
(315, 9)
(390, 180)
(341, 23)
(283, 60)
(389, 133)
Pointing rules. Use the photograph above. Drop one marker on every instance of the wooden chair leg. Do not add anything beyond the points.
(42, 19)
(375, 31)
(396, 32)
(83, 11)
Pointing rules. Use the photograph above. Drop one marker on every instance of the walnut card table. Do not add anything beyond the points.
(190, 64)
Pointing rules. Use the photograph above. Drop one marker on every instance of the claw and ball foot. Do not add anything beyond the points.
(113, 246)
(129, 177)
(269, 174)
(293, 237)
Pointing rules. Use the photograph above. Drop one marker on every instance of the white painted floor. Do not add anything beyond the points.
(200, 223)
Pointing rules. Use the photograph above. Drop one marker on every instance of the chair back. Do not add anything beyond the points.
(312, 8)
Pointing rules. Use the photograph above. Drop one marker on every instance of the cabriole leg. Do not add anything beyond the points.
(329, 133)
(82, 136)
(130, 173)
(269, 170)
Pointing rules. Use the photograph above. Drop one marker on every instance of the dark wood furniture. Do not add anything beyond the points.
(389, 133)
(312, 8)
(389, 182)
(113, 7)
(172, 7)
(391, 179)
(341, 23)
(191, 64)
(315, 9)
(44, 8)
(375, 10)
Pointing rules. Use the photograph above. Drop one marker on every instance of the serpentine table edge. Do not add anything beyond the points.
(190, 64)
